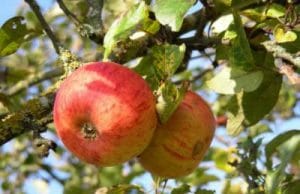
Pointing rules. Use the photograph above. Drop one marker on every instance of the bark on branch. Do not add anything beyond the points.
(30, 117)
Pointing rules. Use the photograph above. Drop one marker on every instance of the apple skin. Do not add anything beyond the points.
(179, 145)
(104, 113)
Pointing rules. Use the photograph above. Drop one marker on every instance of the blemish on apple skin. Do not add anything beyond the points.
(198, 147)
(174, 153)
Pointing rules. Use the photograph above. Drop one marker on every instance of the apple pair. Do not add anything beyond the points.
(105, 114)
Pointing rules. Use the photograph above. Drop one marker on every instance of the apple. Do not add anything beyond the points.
(178, 146)
(104, 113)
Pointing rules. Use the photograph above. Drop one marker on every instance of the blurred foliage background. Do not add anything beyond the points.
(242, 56)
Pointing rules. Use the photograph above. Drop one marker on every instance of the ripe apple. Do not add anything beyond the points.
(178, 146)
(104, 113)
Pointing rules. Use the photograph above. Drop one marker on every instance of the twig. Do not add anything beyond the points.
(199, 42)
(33, 79)
(280, 52)
(203, 20)
(36, 9)
(68, 12)
(200, 75)
(195, 78)
(48, 169)
(223, 141)
(191, 21)
(292, 76)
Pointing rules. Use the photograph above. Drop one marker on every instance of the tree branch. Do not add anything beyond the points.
(68, 13)
(191, 21)
(30, 117)
(95, 13)
(198, 42)
(36, 9)
(34, 79)
(48, 169)
(280, 52)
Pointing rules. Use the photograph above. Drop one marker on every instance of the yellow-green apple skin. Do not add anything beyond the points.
(179, 145)
(104, 113)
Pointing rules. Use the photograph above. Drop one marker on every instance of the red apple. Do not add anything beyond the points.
(179, 145)
(104, 113)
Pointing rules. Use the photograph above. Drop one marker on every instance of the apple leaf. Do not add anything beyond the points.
(240, 52)
(204, 191)
(282, 36)
(158, 67)
(169, 97)
(231, 81)
(160, 63)
(134, 20)
(261, 13)
(222, 158)
(171, 12)
(221, 5)
(184, 188)
(166, 59)
(146, 69)
(12, 34)
(272, 146)
(258, 129)
(199, 177)
(247, 108)
(235, 115)
(291, 187)
(276, 176)
(120, 189)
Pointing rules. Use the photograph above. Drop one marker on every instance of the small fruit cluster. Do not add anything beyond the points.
(105, 115)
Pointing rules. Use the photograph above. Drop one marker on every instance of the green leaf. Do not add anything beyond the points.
(258, 129)
(275, 11)
(272, 146)
(232, 81)
(146, 68)
(247, 108)
(230, 34)
(199, 177)
(222, 158)
(160, 63)
(275, 177)
(168, 99)
(171, 12)
(184, 188)
(109, 176)
(222, 5)
(232, 188)
(204, 191)
(222, 52)
(292, 47)
(125, 26)
(292, 187)
(120, 189)
(166, 59)
(240, 52)
(282, 36)
(269, 11)
(12, 34)
(261, 101)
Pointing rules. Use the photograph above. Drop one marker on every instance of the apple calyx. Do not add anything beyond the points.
(89, 131)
